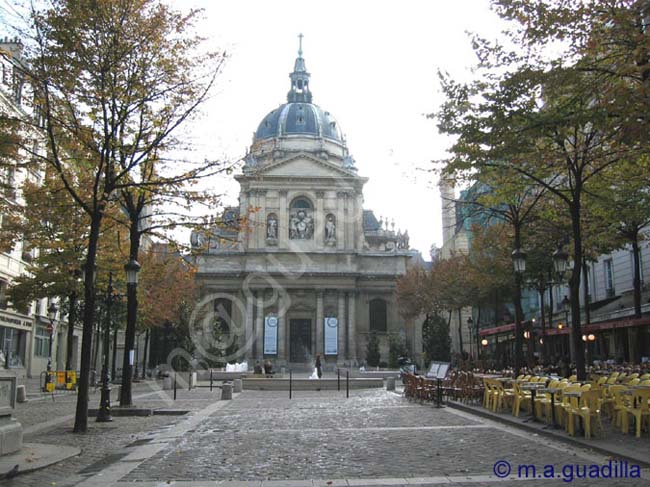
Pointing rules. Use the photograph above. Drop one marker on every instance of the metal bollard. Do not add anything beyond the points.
(390, 383)
(237, 385)
(338, 379)
(347, 383)
(174, 386)
(210, 380)
(290, 383)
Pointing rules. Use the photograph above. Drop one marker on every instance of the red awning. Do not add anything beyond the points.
(592, 328)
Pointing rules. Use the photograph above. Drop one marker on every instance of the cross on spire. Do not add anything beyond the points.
(300, 36)
(299, 79)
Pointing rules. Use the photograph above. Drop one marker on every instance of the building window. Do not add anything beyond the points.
(609, 278)
(10, 339)
(378, 319)
(3, 295)
(41, 342)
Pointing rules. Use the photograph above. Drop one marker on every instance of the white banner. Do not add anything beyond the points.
(271, 335)
(331, 336)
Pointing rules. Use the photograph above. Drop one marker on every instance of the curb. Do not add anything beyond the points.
(548, 434)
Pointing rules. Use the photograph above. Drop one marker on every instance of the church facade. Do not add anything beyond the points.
(299, 268)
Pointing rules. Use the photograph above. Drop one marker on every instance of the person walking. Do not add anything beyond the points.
(319, 367)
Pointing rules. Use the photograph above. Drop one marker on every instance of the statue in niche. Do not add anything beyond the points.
(330, 230)
(272, 227)
(301, 226)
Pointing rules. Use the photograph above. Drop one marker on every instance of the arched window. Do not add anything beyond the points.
(223, 314)
(378, 321)
(301, 203)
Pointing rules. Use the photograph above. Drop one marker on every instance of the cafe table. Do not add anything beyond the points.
(533, 387)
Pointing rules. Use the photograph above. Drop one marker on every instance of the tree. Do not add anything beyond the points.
(435, 339)
(548, 120)
(114, 81)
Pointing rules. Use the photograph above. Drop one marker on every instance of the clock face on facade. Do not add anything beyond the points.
(272, 321)
(332, 322)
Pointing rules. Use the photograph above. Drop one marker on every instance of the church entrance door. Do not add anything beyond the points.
(300, 340)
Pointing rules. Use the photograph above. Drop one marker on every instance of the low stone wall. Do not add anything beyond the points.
(310, 384)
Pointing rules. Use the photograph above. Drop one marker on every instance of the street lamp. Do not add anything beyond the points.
(560, 262)
(132, 268)
(51, 314)
(470, 322)
(519, 262)
(104, 413)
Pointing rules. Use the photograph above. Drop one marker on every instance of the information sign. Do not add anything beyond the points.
(331, 336)
(271, 335)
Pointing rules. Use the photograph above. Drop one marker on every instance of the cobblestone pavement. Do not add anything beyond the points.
(50, 421)
(263, 439)
(373, 435)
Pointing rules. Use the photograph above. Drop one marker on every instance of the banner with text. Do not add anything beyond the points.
(271, 335)
(331, 336)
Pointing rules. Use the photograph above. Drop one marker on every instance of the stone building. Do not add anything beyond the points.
(299, 268)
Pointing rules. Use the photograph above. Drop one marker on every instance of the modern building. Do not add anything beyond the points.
(299, 267)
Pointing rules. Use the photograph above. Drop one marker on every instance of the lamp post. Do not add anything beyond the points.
(572, 348)
(470, 322)
(132, 268)
(51, 314)
(104, 413)
(519, 262)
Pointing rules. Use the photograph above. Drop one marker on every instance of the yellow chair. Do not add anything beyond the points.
(588, 406)
(573, 378)
(564, 402)
(645, 382)
(632, 376)
(601, 381)
(520, 396)
(486, 393)
(545, 401)
(645, 377)
(611, 379)
(502, 397)
(607, 404)
(633, 382)
(640, 411)
(621, 402)
(520, 376)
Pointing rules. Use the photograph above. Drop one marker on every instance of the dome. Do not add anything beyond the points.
(299, 118)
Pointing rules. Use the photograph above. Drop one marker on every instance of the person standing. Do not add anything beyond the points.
(319, 367)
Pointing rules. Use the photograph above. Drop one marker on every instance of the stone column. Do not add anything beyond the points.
(349, 222)
(352, 329)
(340, 220)
(358, 223)
(261, 219)
(319, 322)
(259, 327)
(282, 330)
(248, 323)
(319, 220)
(283, 221)
(341, 328)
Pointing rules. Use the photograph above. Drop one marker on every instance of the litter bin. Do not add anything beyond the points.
(237, 385)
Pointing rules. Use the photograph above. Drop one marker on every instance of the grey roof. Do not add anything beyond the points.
(370, 222)
(299, 118)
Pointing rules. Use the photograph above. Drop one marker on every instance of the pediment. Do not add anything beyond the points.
(305, 165)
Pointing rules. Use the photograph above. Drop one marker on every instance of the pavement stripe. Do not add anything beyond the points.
(379, 428)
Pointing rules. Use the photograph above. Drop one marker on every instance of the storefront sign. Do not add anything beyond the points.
(271, 335)
(331, 336)
(15, 321)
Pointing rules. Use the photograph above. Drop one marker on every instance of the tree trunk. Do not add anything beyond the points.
(574, 286)
(460, 333)
(637, 277)
(114, 368)
(542, 292)
(81, 414)
(144, 360)
(72, 319)
(585, 294)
